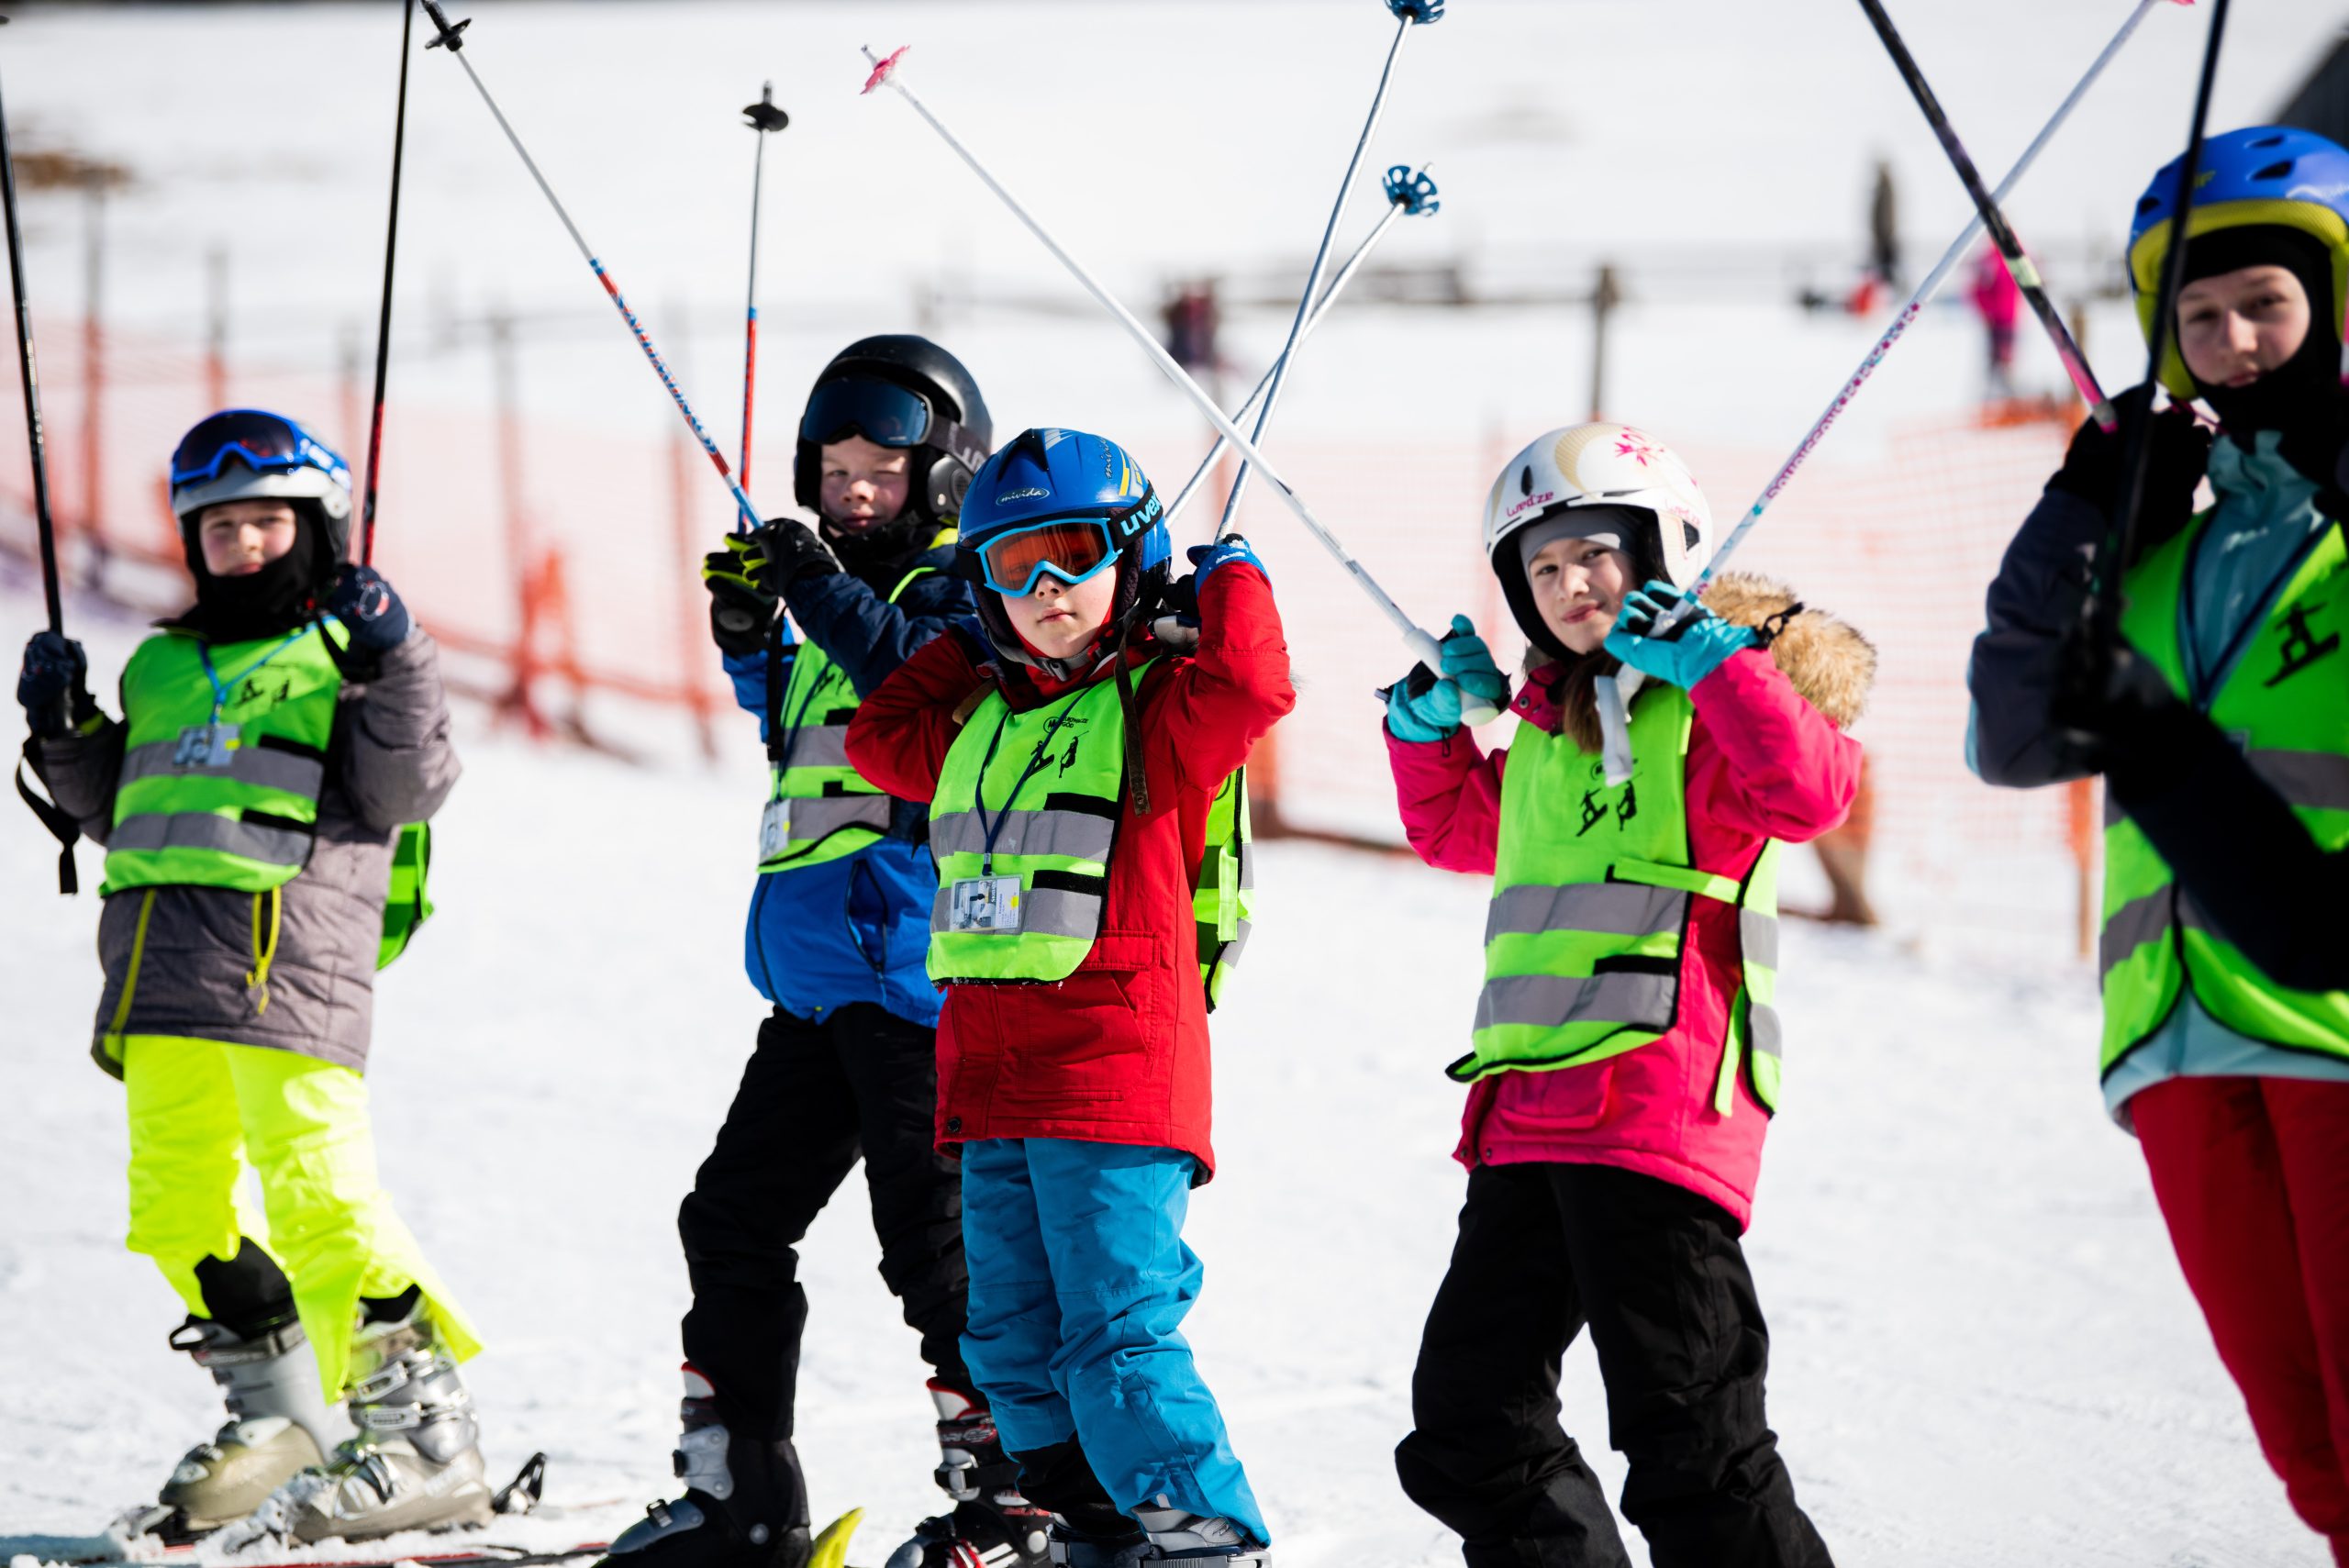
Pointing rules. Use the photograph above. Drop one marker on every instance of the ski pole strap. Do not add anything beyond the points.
(61, 824)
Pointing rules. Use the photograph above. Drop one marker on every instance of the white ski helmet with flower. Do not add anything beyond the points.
(1601, 464)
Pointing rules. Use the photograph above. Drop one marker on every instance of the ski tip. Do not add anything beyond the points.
(883, 67)
(831, 1545)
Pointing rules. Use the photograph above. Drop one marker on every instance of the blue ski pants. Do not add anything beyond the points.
(1080, 1281)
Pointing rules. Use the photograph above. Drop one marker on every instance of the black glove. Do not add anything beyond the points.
(2180, 452)
(2114, 710)
(55, 685)
(793, 550)
(741, 607)
(369, 609)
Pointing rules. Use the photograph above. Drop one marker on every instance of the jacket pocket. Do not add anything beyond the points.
(1090, 1041)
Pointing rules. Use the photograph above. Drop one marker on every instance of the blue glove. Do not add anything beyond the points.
(1430, 713)
(1206, 558)
(1686, 654)
(1468, 664)
(370, 613)
(54, 686)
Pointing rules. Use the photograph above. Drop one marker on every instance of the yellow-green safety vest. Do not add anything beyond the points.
(1022, 825)
(818, 808)
(2294, 729)
(1592, 888)
(223, 758)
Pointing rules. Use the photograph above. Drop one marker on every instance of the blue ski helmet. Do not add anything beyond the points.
(243, 454)
(2261, 174)
(1077, 502)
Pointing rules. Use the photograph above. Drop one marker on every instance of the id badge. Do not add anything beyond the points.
(207, 746)
(774, 828)
(984, 904)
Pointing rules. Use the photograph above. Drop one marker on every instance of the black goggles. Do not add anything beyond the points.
(882, 412)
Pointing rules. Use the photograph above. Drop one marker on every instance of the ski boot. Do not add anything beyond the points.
(738, 1508)
(416, 1463)
(1165, 1535)
(992, 1525)
(277, 1428)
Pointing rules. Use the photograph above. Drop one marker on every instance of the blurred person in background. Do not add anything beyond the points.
(838, 935)
(1998, 303)
(2221, 729)
(261, 801)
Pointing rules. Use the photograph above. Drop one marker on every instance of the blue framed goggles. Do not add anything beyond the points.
(264, 443)
(1071, 547)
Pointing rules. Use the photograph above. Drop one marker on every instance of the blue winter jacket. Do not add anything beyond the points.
(855, 928)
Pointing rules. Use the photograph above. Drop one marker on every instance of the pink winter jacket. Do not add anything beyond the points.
(1763, 763)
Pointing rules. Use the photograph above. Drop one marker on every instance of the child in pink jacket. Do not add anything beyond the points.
(1625, 1055)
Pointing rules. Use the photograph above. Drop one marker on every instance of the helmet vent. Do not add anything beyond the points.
(2147, 204)
(1689, 535)
(1525, 480)
(2275, 171)
(2269, 141)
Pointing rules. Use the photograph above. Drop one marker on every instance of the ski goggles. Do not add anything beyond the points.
(264, 443)
(882, 412)
(1071, 549)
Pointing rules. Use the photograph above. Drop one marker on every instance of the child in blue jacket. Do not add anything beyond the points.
(837, 937)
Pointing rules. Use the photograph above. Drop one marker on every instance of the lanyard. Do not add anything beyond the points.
(219, 688)
(988, 830)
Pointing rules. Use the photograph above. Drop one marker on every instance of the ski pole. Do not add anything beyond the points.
(1421, 643)
(1409, 194)
(58, 821)
(42, 521)
(1924, 295)
(2119, 543)
(762, 117)
(1628, 682)
(2002, 234)
(383, 316)
(1409, 14)
(451, 39)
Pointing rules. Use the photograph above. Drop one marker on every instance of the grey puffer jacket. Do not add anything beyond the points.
(389, 761)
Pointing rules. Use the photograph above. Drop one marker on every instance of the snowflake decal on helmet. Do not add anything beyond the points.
(1638, 446)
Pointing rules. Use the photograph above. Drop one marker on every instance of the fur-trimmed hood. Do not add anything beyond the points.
(1826, 659)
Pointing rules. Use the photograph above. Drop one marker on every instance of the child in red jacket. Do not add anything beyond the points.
(1625, 1053)
(1075, 764)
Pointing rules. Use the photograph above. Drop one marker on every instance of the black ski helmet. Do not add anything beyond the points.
(948, 441)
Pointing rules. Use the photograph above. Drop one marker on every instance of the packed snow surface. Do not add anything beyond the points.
(1984, 1352)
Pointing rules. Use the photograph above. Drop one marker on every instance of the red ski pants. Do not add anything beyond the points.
(2253, 1176)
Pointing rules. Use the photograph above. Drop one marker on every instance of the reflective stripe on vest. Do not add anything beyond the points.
(223, 759)
(2294, 729)
(1223, 894)
(832, 811)
(1592, 891)
(1036, 797)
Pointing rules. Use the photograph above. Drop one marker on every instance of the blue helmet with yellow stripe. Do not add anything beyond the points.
(2261, 174)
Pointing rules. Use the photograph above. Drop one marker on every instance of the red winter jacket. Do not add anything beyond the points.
(1763, 763)
(1117, 1052)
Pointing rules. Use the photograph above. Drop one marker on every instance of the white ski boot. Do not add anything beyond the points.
(277, 1427)
(416, 1463)
(1166, 1535)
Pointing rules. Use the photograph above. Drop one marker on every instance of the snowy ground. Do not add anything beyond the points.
(1984, 1352)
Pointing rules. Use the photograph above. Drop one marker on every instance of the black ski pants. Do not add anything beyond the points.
(1657, 1274)
(816, 1095)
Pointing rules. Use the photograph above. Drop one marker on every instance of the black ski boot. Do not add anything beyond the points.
(745, 1504)
(992, 1525)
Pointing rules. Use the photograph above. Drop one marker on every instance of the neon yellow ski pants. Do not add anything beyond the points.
(200, 1112)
